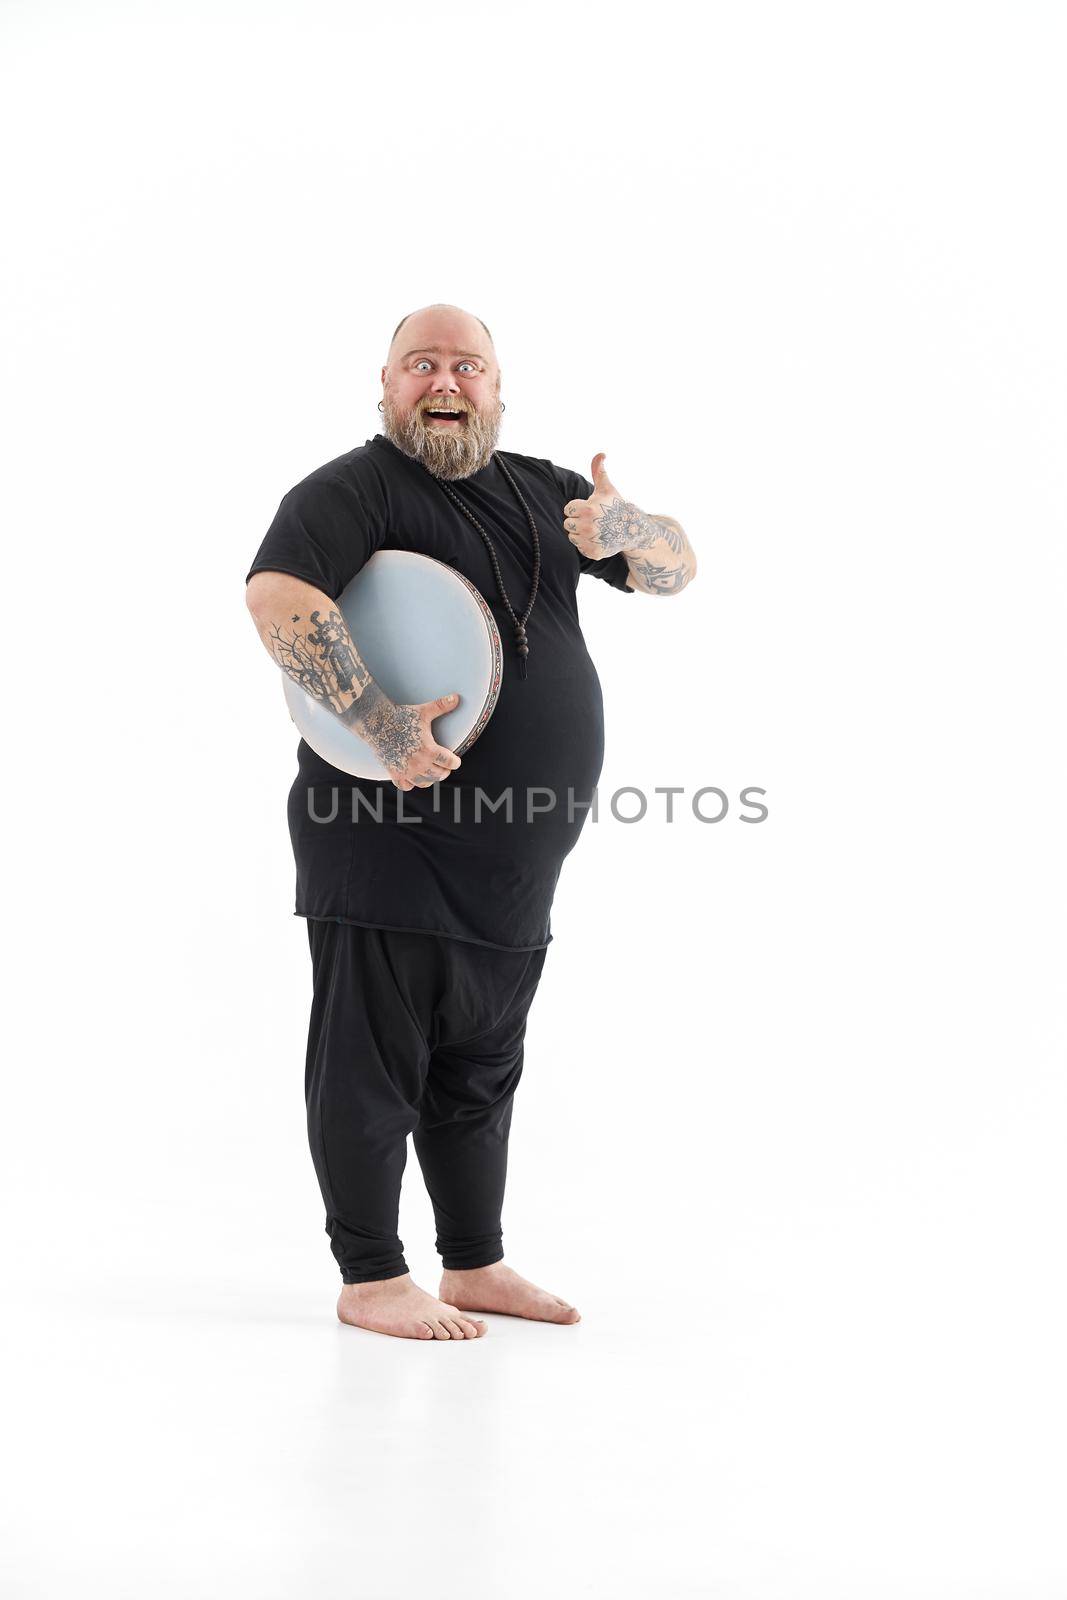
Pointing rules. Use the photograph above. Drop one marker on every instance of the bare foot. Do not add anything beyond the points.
(398, 1306)
(498, 1288)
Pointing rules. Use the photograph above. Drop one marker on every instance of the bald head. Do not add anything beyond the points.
(442, 324)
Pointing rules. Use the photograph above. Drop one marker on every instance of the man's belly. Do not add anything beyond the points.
(547, 733)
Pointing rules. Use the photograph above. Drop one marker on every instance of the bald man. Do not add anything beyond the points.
(429, 924)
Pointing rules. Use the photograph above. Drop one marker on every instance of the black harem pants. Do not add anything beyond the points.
(421, 1034)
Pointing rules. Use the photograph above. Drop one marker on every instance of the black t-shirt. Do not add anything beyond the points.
(454, 871)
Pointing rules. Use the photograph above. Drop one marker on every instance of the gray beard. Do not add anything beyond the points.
(447, 452)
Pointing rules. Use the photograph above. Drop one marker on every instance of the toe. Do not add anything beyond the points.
(423, 1330)
(440, 1331)
(455, 1327)
(464, 1326)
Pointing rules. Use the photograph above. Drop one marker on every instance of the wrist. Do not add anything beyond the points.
(372, 708)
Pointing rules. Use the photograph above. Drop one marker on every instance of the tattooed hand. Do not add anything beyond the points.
(607, 525)
(402, 737)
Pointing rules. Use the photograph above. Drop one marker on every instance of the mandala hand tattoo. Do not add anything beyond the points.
(393, 732)
(623, 526)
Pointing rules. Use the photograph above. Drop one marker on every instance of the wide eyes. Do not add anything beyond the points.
(424, 363)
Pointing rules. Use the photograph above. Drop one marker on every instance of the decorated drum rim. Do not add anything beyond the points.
(497, 668)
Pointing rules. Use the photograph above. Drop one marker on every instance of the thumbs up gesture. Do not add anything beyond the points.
(605, 523)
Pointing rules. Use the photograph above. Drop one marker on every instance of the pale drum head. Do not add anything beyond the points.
(423, 631)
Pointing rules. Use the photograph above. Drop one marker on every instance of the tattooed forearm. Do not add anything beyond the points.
(294, 657)
(333, 641)
(673, 534)
(307, 636)
(659, 580)
(658, 554)
(318, 654)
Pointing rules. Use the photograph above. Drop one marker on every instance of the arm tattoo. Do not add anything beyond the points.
(394, 732)
(338, 652)
(622, 526)
(660, 580)
(672, 534)
(322, 659)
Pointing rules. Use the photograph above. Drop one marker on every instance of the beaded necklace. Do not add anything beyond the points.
(522, 644)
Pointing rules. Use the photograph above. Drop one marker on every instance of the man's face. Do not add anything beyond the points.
(443, 362)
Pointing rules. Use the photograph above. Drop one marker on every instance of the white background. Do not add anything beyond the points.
(791, 1128)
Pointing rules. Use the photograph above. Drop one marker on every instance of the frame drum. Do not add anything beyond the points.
(423, 631)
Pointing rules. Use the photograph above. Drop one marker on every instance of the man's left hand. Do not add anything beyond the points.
(605, 523)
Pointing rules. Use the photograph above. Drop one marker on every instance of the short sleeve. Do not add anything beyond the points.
(324, 530)
(613, 569)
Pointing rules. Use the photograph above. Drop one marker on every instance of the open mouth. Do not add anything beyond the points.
(449, 419)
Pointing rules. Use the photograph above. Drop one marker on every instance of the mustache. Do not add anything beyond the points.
(446, 452)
